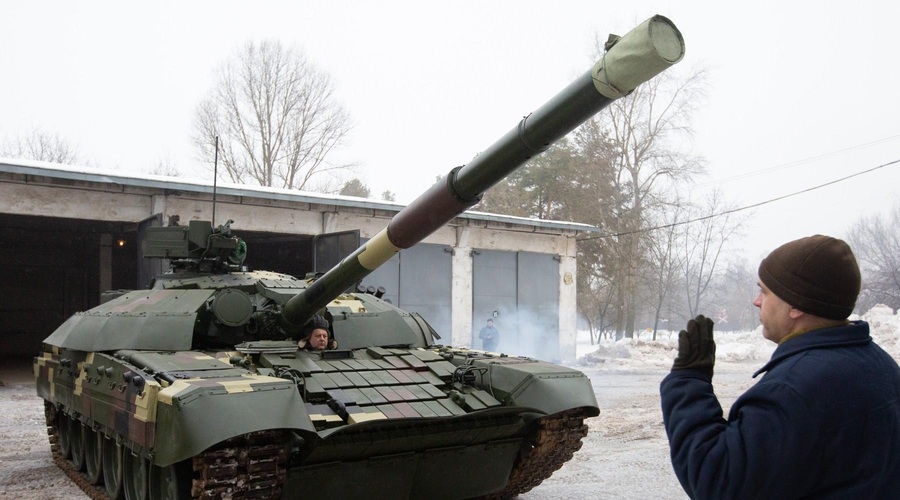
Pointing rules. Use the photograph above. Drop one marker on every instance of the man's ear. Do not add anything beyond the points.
(795, 313)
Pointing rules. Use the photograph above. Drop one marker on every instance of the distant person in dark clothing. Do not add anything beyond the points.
(489, 336)
(824, 420)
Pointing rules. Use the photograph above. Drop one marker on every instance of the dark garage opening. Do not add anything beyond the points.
(53, 266)
(52, 270)
(282, 253)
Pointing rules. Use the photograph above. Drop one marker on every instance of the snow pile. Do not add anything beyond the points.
(643, 354)
(627, 353)
(743, 346)
(731, 347)
(885, 328)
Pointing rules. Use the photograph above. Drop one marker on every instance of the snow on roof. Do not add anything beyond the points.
(99, 175)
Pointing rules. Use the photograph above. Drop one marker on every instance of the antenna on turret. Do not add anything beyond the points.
(215, 178)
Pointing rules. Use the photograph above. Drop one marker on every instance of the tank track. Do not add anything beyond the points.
(93, 491)
(552, 444)
(248, 466)
(252, 466)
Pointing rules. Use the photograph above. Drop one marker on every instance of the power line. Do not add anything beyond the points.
(740, 209)
(803, 161)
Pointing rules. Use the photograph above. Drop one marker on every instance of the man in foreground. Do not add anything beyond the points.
(823, 422)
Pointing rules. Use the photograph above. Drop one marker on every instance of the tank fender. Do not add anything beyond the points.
(195, 414)
(539, 385)
(157, 320)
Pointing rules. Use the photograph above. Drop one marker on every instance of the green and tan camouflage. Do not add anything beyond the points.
(197, 388)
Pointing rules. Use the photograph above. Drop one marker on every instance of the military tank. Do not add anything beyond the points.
(198, 388)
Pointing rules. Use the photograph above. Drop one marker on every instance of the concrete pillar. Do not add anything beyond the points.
(329, 223)
(106, 241)
(567, 309)
(158, 206)
(461, 290)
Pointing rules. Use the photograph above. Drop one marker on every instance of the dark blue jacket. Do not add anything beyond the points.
(824, 422)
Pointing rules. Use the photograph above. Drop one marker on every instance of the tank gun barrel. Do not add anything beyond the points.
(629, 61)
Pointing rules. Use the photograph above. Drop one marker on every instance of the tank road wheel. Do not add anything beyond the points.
(92, 459)
(170, 482)
(64, 435)
(112, 468)
(135, 476)
(76, 438)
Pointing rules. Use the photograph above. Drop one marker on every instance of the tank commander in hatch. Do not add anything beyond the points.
(317, 336)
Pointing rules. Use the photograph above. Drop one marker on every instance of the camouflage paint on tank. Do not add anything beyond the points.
(104, 398)
(203, 372)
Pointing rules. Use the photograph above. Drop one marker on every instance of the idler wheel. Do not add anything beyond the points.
(112, 469)
(135, 476)
(64, 436)
(76, 438)
(93, 460)
(170, 482)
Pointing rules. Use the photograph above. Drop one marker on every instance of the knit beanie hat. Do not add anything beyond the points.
(817, 275)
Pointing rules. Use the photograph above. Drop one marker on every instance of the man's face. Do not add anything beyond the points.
(318, 339)
(774, 314)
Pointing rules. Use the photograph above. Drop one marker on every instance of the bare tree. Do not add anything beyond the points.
(664, 260)
(876, 243)
(734, 291)
(165, 167)
(388, 195)
(612, 174)
(594, 305)
(703, 246)
(642, 129)
(276, 118)
(42, 146)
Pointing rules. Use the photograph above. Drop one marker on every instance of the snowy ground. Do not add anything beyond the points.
(625, 455)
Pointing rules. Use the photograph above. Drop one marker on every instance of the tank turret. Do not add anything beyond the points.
(199, 388)
(196, 247)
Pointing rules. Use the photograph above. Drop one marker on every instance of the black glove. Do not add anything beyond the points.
(696, 347)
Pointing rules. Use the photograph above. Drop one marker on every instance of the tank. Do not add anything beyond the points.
(206, 385)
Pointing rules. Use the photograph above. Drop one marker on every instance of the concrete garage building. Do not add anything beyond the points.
(67, 234)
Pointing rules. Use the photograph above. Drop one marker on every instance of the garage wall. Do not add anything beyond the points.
(520, 292)
(418, 280)
(283, 225)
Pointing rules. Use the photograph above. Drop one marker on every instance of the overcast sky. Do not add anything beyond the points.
(801, 93)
